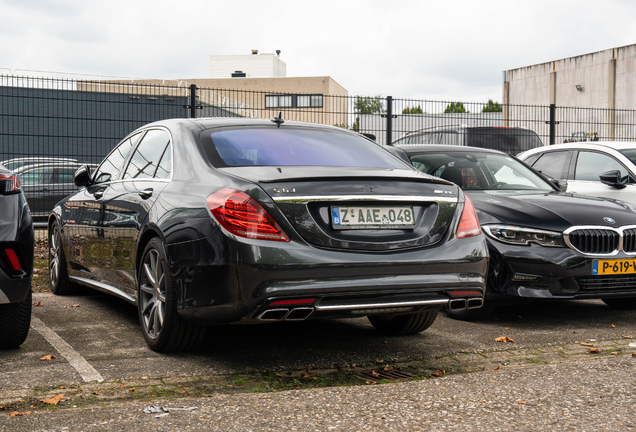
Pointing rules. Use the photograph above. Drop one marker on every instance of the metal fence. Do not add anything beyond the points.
(44, 120)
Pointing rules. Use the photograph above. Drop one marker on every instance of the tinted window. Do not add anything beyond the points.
(42, 175)
(163, 171)
(295, 147)
(109, 169)
(145, 160)
(631, 154)
(507, 140)
(65, 175)
(590, 165)
(551, 164)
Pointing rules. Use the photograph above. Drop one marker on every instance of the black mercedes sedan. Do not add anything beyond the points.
(543, 243)
(213, 221)
(16, 261)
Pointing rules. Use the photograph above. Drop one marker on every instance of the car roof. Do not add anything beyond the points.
(446, 148)
(614, 145)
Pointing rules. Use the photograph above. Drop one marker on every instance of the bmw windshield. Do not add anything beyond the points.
(481, 171)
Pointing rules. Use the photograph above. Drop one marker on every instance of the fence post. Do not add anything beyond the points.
(389, 119)
(193, 101)
(552, 124)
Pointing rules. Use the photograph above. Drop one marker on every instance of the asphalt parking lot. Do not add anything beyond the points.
(97, 345)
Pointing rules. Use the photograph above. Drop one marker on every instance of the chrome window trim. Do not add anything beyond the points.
(618, 230)
(308, 199)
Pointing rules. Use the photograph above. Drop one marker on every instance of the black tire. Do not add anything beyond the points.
(58, 272)
(625, 303)
(15, 319)
(161, 324)
(403, 324)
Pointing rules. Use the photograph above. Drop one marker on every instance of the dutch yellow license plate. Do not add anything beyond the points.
(603, 267)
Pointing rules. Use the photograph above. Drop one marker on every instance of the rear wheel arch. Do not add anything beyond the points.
(145, 238)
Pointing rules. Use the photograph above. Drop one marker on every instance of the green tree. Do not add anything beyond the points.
(455, 107)
(492, 107)
(368, 104)
(414, 110)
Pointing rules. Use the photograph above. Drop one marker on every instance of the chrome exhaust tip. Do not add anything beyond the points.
(475, 303)
(273, 315)
(299, 314)
(457, 304)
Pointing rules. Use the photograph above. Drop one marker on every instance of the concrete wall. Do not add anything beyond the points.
(530, 85)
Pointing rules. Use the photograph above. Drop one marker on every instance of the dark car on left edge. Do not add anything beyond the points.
(16, 261)
(543, 243)
(214, 221)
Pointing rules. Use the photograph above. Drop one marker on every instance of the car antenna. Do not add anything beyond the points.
(278, 119)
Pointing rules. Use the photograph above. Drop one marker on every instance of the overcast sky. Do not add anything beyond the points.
(441, 50)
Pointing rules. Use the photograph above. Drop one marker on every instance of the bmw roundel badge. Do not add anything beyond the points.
(609, 220)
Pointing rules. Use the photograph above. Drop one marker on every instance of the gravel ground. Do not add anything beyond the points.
(583, 395)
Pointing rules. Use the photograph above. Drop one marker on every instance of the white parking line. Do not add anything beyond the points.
(77, 361)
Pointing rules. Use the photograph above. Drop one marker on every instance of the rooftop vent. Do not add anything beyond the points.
(254, 51)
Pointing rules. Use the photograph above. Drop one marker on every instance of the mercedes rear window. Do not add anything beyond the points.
(294, 147)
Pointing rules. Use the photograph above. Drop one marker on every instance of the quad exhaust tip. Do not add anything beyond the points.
(286, 314)
(461, 304)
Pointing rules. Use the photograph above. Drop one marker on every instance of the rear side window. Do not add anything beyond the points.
(507, 140)
(551, 164)
(145, 160)
(294, 147)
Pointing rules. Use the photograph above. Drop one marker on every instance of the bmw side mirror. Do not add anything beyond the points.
(82, 176)
(614, 179)
(562, 185)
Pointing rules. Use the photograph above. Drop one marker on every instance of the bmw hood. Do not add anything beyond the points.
(550, 211)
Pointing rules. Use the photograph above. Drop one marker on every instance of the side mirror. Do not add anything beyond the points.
(82, 176)
(614, 179)
(562, 185)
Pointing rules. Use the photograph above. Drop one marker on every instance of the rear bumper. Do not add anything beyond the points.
(13, 290)
(338, 283)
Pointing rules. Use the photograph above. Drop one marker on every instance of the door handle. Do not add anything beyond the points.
(98, 194)
(146, 193)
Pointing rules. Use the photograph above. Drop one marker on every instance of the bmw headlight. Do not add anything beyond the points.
(524, 236)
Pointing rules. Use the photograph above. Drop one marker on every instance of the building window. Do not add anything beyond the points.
(293, 101)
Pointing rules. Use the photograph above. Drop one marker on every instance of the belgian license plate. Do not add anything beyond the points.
(603, 267)
(372, 217)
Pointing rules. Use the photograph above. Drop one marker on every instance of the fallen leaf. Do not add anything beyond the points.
(586, 344)
(613, 325)
(626, 337)
(279, 374)
(379, 361)
(595, 350)
(507, 328)
(439, 373)
(53, 400)
(522, 402)
(48, 357)
(388, 368)
(633, 354)
(497, 368)
(75, 305)
(614, 353)
(132, 390)
(95, 392)
(38, 304)
(15, 413)
(504, 339)
(385, 342)
(62, 387)
(121, 385)
(374, 373)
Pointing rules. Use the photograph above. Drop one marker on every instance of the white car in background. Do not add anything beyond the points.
(599, 168)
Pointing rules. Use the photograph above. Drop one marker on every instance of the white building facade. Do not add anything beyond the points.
(255, 65)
